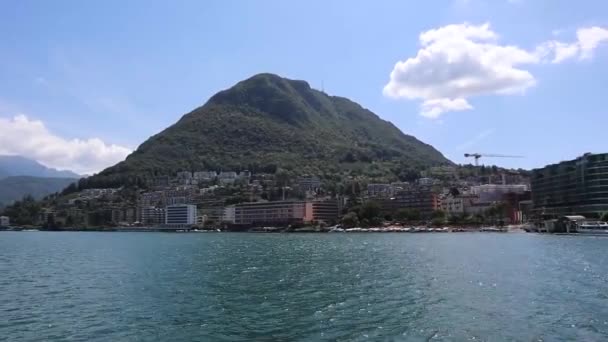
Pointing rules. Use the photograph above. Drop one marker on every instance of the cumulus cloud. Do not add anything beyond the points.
(587, 40)
(434, 108)
(456, 62)
(30, 138)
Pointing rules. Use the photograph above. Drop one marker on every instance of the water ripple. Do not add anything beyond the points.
(243, 287)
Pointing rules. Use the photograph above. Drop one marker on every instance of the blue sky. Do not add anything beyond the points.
(82, 83)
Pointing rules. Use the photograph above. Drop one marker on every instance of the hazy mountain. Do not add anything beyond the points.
(16, 187)
(20, 166)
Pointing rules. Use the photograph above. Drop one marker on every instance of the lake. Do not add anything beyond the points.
(80, 286)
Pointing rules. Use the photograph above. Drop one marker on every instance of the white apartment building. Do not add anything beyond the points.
(180, 215)
(229, 214)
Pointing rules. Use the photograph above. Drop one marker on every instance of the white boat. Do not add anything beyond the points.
(590, 227)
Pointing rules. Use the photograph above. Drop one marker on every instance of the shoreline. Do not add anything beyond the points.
(268, 231)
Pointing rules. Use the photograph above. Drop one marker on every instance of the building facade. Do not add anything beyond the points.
(322, 211)
(152, 216)
(308, 183)
(495, 192)
(379, 190)
(229, 214)
(280, 212)
(4, 221)
(180, 215)
(574, 187)
(421, 199)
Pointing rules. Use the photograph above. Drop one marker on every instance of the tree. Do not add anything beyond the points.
(409, 175)
(350, 220)
(457, 219)
(402, 214)
(370, 211)
(282, 177)
(605, 217)
(24, 212)
(438, 217)
(438, 214)
(454, 192)
(414, 215)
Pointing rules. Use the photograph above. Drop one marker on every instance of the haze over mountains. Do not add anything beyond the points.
(269, 122)
(21, 166)
(20, 176)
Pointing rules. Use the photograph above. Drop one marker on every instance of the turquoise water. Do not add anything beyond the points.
(287, 287)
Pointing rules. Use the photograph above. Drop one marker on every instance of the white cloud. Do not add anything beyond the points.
(434, 108)
(587, 40)
(30, 138)
(459, 61)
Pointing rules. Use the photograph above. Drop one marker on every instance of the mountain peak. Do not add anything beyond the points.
(275, 79)
(268, 121)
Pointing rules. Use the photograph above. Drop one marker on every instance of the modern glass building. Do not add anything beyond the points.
(575, 187)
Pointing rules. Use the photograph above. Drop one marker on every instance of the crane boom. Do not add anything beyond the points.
(488, 155)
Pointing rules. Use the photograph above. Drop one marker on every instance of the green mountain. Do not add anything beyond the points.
(268, 122)
(16, 187)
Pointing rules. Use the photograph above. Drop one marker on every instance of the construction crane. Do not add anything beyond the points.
(479, 155)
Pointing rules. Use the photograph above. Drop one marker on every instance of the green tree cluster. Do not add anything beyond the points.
(24, 212)
(367, 214)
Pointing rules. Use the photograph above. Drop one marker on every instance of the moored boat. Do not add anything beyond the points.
(594, 228)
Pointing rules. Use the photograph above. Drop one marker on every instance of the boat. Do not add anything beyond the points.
(593, 227)
(492, 229)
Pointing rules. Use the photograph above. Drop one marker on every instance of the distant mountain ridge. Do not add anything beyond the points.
(14, 188)
(268, 120)
(21, 166)
(20, 176)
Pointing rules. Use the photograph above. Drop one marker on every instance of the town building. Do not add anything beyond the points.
(421, 199)
(444, 171)
(180, 215)
(152, 216)
(458, 205)
(161, 181)
(122, 215)
(322, 211)
(229, 214)
(176, 200)
(426, 181)
(184, 175)
(379, 190)
(574, 187)
(153, 199)
(494, 192)
(308, 183)
(97, 193)
(270, 213)
(205, 175)
(399, 186)
(212, 213)
(5, 221)
(245, 174)
(513, 208)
